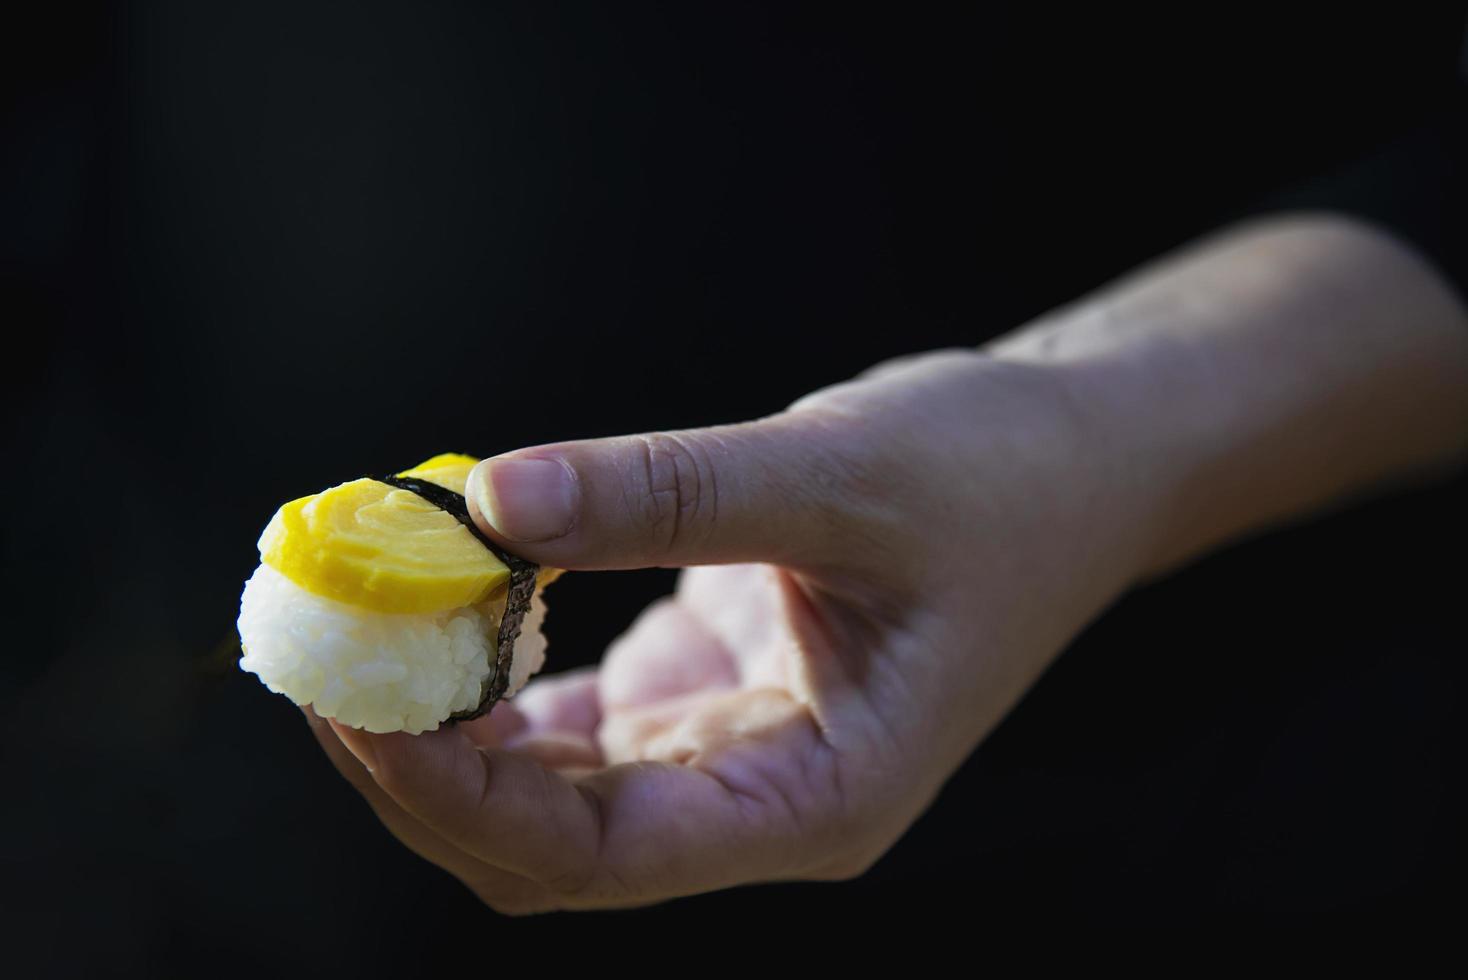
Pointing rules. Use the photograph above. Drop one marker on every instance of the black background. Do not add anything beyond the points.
(249, 251)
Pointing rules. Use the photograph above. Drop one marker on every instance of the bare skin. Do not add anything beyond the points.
(887, 566)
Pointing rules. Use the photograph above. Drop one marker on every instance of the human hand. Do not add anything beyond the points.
(894, 561)
(890, 564)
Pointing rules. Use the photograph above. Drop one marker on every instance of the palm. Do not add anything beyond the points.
(681, 684)
(720, 680)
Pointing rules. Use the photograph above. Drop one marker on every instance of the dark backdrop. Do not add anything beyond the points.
(253, 250)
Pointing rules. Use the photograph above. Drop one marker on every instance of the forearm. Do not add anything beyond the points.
(1261, 375)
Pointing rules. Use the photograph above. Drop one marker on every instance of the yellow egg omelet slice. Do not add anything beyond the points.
(448, 470)
(372, 545)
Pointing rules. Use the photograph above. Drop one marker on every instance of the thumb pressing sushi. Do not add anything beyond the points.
(381, 604)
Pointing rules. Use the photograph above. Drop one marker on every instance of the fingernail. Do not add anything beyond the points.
(357, 743)
(526, 499)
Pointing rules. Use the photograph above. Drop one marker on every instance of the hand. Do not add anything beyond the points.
(899, 557)
(894, 561)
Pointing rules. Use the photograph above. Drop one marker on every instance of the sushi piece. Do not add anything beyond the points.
(379, 603)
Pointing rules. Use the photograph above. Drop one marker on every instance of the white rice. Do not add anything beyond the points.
(385, 672)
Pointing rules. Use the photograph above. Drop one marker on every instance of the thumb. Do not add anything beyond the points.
(775, 490)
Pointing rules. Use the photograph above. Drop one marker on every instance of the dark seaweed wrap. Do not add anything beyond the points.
(522, 588)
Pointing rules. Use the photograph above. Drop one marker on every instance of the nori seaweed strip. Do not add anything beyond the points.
(517, 603)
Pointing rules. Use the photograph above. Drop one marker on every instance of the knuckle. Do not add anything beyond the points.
(680, 493)
(572, 882)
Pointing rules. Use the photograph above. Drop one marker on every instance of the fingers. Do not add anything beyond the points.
(566, 703)
(729, 813)
(562, 714)
(499, 807)
(667, 652)
(738, 605)
(500, 888)
(772, 490)
(553, 720)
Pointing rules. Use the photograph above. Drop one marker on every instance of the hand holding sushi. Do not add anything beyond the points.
(883, 569)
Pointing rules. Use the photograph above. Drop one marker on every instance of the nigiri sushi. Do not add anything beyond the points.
(379, 603)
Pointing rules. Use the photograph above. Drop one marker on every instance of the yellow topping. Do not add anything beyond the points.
(385, 549)
(448, 470)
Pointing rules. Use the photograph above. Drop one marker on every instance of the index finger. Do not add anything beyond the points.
(631, 833)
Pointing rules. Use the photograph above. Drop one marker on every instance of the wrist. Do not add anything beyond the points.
(1262, 374)
(1139, 460)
